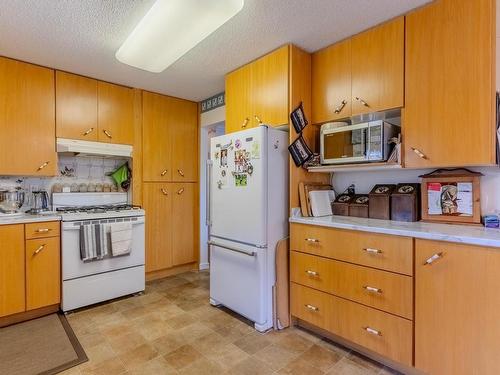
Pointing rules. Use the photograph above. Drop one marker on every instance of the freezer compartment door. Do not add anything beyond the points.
(238, 183)
(237, 279)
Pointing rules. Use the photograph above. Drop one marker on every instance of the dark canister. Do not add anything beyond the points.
(405, 202)
(380, 201)
(359, 206)
(341, 205)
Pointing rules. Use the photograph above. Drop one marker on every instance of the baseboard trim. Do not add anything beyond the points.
(204, 266)
(160, 274)
(28, 315)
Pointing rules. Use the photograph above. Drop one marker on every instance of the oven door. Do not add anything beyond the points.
(73, 267)
(346, 144)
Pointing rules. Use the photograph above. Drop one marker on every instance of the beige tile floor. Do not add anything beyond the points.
(172, 329)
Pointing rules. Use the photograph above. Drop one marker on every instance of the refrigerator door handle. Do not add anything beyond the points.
(208, 193)
(248, 253)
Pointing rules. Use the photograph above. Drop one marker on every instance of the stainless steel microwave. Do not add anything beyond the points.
(365, 142)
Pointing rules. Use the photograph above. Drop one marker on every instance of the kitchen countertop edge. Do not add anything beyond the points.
(465, 234)
(28, 218)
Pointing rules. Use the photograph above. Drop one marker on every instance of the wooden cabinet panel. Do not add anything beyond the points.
(41, 230)
(11, 269)
(456, 309)
(450, 91)
(76, 109)
(43, 272)
(378, 68)
(115, 113)
(184, 140)
(312, 306)
(157, 201)
(270, 88)
(156, 137)
(27, 120)
(239, 104)
(331, 83)
(379, 289)
(183, 224)
(390, 253)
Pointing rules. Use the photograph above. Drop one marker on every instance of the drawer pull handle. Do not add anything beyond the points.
(311, 307)
(108, 134)
(88, 131)
(258, 119)
(180, 191)
(164, 191)
(419, 153)
(312, 240)
(43, 230)
(180, 172)
(39, 249)
(341, 106)
(43, 166)
(164, 172)
(312, 273)
(362, 101)
(372, 289)
(371, 250)
(372, 331)
(245, 123)
(433, 258)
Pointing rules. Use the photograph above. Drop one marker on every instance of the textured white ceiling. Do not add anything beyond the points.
(82, 36)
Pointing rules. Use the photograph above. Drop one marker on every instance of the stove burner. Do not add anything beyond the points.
(98, 209)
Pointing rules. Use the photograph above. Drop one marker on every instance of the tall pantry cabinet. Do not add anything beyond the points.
(170, 176)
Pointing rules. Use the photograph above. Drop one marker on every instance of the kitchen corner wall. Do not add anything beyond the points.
(84, 170)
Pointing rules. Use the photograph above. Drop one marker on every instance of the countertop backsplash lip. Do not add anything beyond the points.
(466, 234)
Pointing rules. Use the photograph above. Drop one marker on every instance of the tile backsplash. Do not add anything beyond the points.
(72, 170)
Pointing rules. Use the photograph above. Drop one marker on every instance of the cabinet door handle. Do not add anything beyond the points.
(372, 331)
(371, 250)
(341, 106)
(40, 248)
(88, 131)
(164, 172)
(312, 240)
(164, 191)
(258, 119)
(433, 258)
(180, 191)
(43, 166)
(43, 230)
(311, 307)
(108, 134)
(180, 172)
(312, 273)
(362, 101)
(245, 122)
(419, 153)
(372, 289)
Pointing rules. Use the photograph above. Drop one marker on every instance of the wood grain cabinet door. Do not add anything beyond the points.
(239, 101)
(27, 120)
(457, 306)
(157, 201)
(450, 84)
(378, 68)
(270, 88)
(115, 113)
(43, 272)
(183, 223)
(184, 141)
(76, 107)
(12, 299)
(331, 83)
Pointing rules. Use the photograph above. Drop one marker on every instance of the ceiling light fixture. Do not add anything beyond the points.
(171, 28)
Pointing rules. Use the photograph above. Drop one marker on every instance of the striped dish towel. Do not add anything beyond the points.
(93, 242)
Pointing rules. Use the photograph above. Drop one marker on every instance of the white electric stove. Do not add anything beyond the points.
(87, 283)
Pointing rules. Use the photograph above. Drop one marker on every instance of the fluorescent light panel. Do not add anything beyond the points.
(171, 28)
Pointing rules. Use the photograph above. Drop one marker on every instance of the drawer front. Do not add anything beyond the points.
(380, 332)
(379, 289)
(42, 230)
(312, 306)
(390, 253)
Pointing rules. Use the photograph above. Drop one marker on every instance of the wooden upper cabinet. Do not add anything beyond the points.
(12, 269)
(378, 68)
(270, 88)
(239, 104)
(457, 306)
(184, 140)
(115, 113)
(76, 109)
(331, 83)
(27, 119)
(450, 84)
(259, 90)
(183, 225)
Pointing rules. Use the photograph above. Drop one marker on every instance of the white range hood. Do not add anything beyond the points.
(87, 148)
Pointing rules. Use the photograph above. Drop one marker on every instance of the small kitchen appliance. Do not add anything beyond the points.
(40, 203)
(11, 200)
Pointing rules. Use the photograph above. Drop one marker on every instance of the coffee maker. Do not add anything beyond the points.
(40, 202)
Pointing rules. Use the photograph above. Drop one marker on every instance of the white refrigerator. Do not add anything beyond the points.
(247, 214)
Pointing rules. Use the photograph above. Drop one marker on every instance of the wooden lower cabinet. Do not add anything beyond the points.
(383, 333)
(12, 269)
(170, 224)
(457, 309)
(43, 272)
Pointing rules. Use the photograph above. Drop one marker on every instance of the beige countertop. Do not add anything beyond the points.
(28, 218)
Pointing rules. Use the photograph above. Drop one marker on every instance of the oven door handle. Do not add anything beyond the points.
(70, 226)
